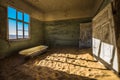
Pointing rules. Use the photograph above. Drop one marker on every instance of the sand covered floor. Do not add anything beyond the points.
(56, 64)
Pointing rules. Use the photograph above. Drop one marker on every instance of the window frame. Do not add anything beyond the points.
(17, 21)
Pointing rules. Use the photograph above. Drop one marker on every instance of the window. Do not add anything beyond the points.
(18, 24)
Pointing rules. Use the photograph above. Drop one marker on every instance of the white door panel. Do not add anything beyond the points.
(96, 46)
(106, 52)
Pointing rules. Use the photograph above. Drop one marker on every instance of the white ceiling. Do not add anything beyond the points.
(61, 5)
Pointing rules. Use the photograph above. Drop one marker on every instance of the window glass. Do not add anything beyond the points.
(20, 34)
(20, 15)
(11, 12)
(12, 29)
(18, 24)
(20, 30)
(26, 32)
(26, 27)
(26, 17)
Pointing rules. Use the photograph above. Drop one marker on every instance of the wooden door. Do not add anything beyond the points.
(85, 40)
(104, 43)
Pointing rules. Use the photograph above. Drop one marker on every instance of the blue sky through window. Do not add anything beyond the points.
(26, 17)
(11, 12)
(20, 15)
(26, 28)
(20, 30)
(12, 29)
(18, 24)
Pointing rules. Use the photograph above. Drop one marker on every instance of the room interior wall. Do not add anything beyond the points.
(64, 32)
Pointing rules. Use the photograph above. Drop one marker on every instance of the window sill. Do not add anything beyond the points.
(16, 40)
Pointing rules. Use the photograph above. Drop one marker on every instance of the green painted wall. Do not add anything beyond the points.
(36, 34)
(64, 32)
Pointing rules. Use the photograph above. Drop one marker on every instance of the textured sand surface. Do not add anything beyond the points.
(56, 64)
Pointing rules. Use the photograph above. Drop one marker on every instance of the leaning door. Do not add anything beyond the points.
(104, 36)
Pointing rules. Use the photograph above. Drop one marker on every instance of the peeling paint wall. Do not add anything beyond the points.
(7, 48)
(63, 32)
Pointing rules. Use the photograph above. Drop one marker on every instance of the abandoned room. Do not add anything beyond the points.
(59, 40)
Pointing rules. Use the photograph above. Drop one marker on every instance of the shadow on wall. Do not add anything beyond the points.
(106, 52)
